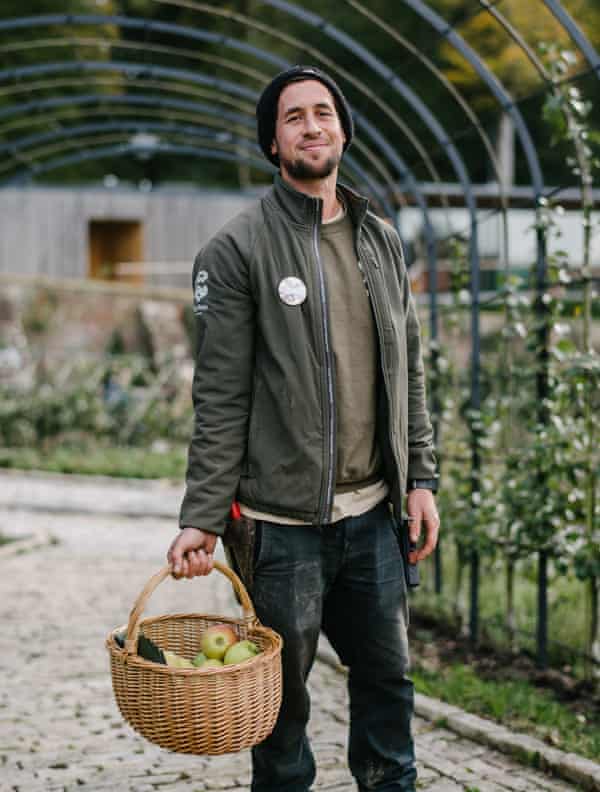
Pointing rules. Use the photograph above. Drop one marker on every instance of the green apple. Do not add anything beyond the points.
(216, 640)
(212, 662)
(176, 661)
(240, 651)
(199, 660)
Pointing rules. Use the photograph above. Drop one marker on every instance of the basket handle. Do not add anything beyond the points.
(133, 626)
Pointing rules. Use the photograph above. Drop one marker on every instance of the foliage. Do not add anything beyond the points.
(522, 471)
(93, 457)
(123, 401)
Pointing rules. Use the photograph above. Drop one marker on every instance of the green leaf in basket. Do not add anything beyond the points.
(145, 648)
(149, 650)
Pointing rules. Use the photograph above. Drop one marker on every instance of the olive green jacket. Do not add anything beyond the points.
(264, 384)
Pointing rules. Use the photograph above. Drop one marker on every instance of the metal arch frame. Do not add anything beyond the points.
(133, 23)
(576, 34)
(365, 150)
(169, 127)
(176, 29)
(33, 141)
(183, 106)
(555, 7)
(360, 86)
(446, 143)
(85, 99)
(130, 69)
(441, 77)
(229, 41)
(125, 149)
(127, 67)
(506, 103)
(349, 164)
(136, 70)
(497, 89)
(425, 13)
(121, 44)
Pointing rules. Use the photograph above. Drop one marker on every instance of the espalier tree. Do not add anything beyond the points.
(463, 499)
(568, 115)
(537, 485)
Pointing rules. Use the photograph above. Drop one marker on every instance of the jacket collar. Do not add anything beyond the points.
(305, 210)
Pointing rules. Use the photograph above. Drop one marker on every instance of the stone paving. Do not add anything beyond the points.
(60, 728)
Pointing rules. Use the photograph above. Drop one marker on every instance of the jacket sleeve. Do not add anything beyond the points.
(422, 463)
(222, 384)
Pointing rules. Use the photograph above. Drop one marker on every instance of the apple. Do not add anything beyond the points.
(199, 660)
(216, 640)
(240, 651)
(176, 661)
(212, 662)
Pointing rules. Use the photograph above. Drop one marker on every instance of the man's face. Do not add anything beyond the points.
(309, 138)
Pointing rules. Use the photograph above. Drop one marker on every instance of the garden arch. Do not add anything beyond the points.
(204, 112)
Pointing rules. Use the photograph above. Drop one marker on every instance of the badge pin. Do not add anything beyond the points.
(292, 291)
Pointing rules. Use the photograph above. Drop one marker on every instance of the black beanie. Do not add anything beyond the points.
(266, 109)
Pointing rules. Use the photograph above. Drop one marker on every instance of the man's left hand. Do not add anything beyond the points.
(421, 507)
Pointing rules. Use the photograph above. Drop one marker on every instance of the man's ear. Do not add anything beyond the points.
(274, 147)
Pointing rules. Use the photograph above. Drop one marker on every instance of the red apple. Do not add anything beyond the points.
(216, 640)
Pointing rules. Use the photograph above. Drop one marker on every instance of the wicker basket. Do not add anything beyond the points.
(216, 711)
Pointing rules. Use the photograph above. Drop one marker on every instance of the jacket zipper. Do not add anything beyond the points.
(326, 510)
(367, 275)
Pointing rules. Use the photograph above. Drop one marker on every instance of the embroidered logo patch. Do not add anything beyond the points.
(201, 292)
(292, 291)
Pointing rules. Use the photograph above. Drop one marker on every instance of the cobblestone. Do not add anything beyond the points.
(59, 725)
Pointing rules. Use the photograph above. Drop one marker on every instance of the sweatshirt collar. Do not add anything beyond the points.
(304, 210)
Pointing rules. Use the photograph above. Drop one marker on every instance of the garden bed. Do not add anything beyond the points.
(506, 687)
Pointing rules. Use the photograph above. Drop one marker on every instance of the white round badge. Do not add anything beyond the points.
(292, 291)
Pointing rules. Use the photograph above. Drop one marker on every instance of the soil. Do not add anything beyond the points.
(435, 645)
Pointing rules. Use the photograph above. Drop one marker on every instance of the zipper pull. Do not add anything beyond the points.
(364, 277)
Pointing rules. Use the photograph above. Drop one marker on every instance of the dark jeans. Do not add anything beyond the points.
(347, 579)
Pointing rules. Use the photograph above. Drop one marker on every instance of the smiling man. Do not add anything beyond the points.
(311, 412)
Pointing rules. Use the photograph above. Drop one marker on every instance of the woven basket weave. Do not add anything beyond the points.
(216, 711)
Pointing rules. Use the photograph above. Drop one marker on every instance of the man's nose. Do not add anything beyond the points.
(311, 125)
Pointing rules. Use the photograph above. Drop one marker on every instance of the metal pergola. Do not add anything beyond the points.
(57, 112)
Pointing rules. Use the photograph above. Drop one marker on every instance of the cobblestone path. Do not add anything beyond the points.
(59, 725)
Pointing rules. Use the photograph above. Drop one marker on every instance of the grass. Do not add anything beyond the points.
(100, 460)
(566, 617)
(516, 704)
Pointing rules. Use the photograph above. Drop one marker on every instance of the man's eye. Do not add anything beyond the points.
(293, 118)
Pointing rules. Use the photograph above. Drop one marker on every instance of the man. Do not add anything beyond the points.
(310, 411)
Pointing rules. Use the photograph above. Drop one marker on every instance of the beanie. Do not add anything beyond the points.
(266, 108)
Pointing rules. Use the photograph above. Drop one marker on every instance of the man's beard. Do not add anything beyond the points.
(301, 170)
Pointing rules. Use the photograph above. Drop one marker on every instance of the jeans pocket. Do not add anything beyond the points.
(261, 543)
(257, 542)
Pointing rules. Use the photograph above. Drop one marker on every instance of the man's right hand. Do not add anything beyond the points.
(191, 552)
